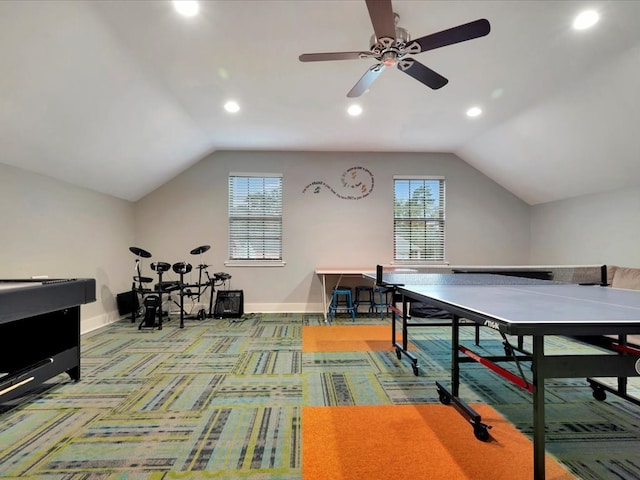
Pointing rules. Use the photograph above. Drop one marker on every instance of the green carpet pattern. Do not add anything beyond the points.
(222, 399)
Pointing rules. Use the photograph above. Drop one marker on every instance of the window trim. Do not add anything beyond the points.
(442, 219)
(254, 262)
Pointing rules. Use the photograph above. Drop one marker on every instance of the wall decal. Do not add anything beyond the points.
(357, 183)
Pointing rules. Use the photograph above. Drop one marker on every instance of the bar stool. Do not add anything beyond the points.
(341, 300)
(365, 291)
(379, 302)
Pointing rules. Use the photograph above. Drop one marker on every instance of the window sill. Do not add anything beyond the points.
(423, 263)
(255, 263)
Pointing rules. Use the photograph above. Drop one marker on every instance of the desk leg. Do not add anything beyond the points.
(324, 297)
(538, 409)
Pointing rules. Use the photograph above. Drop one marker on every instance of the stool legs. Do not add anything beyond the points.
(341, 300)
(364, 295)
(379, 302)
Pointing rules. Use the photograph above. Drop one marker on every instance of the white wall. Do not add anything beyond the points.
(485, 223)
(53, 228)
(590, 229)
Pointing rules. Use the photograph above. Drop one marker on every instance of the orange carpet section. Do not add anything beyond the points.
(347, 338)
(416, 442)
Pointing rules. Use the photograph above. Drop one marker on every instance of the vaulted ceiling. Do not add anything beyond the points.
(120, 97)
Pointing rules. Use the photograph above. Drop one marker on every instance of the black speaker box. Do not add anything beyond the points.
(229, 304)
(127, 302)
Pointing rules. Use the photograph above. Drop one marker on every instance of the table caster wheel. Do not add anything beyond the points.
(415, 369)
(481, 432)
(445, 398)
(398, 353)
(599, 394)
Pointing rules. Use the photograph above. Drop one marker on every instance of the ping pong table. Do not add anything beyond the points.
(527, 307)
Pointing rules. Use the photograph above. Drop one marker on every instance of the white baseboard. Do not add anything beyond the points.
(90, 324)
(283, 307)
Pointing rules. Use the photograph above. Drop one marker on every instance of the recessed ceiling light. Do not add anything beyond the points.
(474, 112)
(354, 110)
(586, 19)
(231, 106)
(188, 8)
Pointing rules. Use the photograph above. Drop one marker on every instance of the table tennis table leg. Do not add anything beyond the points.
(455, 359)
(403, 347)
(538, 408)
(480, 430)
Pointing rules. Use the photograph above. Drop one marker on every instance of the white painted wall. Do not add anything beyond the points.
(53, 228)
(485, 223)
(590, 229)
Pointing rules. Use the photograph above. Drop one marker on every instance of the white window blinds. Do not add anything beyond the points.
(418, 219)
(255, 217)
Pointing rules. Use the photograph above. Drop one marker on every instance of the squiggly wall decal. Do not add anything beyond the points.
(358, 180)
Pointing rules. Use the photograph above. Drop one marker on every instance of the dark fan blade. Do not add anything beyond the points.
(366, 80)
(381, 13)
(320, 57)
(421, 73)
(461, 33)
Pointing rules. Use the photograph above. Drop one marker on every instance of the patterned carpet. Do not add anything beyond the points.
(222, 399)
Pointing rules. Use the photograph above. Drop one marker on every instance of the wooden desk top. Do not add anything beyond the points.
(343, 271)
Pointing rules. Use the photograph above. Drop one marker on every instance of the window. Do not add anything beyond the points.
(255, 217)
(418, 219)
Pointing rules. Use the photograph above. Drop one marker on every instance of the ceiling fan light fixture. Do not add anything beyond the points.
(389, 58)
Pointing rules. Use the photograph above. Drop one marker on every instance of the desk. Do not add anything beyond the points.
(534, 308)
(323, 273)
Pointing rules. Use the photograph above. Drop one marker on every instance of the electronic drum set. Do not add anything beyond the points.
(151, 310)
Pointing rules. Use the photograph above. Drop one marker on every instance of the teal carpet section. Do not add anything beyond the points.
(222, 399)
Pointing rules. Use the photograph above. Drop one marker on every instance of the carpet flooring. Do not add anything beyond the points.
(430, 441)
(225, 399)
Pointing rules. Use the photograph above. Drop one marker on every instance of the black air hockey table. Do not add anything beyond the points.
(526, 307)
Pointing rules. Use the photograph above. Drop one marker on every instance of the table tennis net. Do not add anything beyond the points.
(498, 275)
(582, 274)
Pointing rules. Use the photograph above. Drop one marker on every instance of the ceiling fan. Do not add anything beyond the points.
(390, 45)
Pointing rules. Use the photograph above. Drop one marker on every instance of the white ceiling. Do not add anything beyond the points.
(120, 97)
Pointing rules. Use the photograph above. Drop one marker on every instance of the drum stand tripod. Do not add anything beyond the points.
(153, 303)
(137, 286)
(202, 267)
